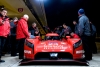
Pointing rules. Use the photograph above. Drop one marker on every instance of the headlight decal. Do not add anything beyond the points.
(30, 45)
(77, 44)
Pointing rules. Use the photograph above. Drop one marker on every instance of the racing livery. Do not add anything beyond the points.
(53, 48)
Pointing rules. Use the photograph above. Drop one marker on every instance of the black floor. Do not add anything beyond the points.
(70, 63)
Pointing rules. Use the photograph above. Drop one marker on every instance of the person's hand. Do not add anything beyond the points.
(36, 32)
(28, 36)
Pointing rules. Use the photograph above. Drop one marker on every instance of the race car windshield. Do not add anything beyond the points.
(52, 38)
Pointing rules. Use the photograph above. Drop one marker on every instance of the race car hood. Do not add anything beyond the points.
(54, 45)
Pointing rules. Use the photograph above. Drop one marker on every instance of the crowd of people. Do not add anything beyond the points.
(14, 31)
(85, 30)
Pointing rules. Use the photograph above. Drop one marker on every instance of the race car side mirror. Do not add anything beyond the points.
(67, 37)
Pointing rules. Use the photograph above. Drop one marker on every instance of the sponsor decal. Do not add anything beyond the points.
(27, 51)
(55, 47)
(53, 43)
(79, 51)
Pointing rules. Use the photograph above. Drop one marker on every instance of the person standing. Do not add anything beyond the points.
(21, 34)
(85, 33)
(13, 36)
(65, 31)
(57, 30)
(76, 28)
(4, 30)
(34, 30)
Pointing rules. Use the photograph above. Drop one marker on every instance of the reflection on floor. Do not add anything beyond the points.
(14, 62)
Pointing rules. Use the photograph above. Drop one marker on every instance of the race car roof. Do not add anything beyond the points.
(52, 34)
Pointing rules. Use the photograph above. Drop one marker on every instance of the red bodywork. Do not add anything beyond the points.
(66, 48)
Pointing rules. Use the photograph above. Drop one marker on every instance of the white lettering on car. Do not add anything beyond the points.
(79, 51)
(54, 47)
(27, 51)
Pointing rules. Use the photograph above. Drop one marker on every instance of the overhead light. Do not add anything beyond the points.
(41, 0)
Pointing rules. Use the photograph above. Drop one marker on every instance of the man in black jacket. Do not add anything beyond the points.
(76, 27)
(65, 31)
(34, 30)
(14, 44)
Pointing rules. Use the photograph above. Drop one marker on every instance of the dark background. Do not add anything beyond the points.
(65, 11)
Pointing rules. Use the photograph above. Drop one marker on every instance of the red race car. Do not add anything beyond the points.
(53, 48)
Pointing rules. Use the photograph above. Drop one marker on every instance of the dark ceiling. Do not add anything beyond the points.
(65, 11)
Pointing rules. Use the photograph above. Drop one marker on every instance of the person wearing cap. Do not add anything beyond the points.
(21, 34)
(85, 33)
